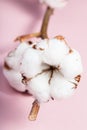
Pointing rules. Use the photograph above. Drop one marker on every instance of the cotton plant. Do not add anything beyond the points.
(47, 68)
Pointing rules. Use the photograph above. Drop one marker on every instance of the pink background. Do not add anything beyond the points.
(24, 16)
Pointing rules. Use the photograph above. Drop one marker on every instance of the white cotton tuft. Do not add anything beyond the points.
(39, 87)
(13, 59)
(71, 65)
(55, 3)
(15, 79)
(60, 87)
(55, 52)
(31, 63)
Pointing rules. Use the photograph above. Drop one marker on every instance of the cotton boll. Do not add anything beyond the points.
(55, 52)
(71, 65)
(47, 68)
(39, 87)
(14, 57)
(60, 87)
(15, 79)
(31, 63)
(55, 3)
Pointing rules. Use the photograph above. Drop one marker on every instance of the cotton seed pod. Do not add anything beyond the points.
(48, 69)
(55, 3)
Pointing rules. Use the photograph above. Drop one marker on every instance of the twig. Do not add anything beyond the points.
(48, 13)
(34, 111)
(26, 37)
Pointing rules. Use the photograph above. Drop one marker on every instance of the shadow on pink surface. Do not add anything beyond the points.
(13, 107)
(32, 7)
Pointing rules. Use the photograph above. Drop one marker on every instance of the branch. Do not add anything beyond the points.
(34, 111)
(44, 27)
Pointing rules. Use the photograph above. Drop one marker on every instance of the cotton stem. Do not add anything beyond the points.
(34, 111)
(48, 13)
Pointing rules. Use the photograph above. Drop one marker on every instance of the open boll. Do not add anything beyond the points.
(55, 3)
(47, 69)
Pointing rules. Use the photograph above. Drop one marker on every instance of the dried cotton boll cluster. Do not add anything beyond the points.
(55, 3)
(48, 69)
